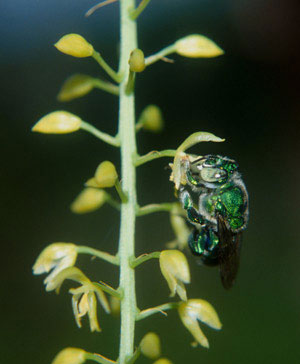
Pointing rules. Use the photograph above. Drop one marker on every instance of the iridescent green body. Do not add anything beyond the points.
(221, 212)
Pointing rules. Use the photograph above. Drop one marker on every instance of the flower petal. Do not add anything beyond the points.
(190, 322)
(92, 312)
(71, 273)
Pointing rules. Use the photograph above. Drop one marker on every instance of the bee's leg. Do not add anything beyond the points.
(197, 241)
(187, 203)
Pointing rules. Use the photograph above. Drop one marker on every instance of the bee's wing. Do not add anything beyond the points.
(229, 253)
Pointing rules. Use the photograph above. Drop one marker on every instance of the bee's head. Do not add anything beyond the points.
(211, 171)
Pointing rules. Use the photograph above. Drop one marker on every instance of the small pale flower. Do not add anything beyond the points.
(58, 122)
(90, 199)
(83, 298)
(196, 309)
(75, 86)
(150, 345)
(175, 269)
(196, 46)
(56, 256)
(70, 356)
(74, 45)
(84, 302)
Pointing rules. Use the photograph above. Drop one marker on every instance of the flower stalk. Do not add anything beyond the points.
(98, 253)
(155, 154)
(100, 134)
(128, 210)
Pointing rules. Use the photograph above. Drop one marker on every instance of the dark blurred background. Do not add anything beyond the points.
(250, 97)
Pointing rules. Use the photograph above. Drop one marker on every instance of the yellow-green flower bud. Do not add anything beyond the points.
(74, 45)
(196, 45)
(106, 174)
(150, 345)
(196, 309)
(151, 119)
(75, 86)
(137, 61)
(89, 199)
(163, 361)
(58, 122)
(56, 256)
(115, 305)
(175, 269)
(70, 356)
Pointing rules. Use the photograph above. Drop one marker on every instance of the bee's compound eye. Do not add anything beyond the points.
(210, 162)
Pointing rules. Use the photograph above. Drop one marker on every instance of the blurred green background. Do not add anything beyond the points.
(250, 96)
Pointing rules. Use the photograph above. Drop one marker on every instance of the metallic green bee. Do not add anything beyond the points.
(221, 215)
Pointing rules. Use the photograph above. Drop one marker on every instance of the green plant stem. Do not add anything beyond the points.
(159, 55)
(81, 249)
(112, 202)
(99, 134)
(134, 262)
(106, 86)
(130, 82)
(128, 151)
(120, 191)
(114, 75)
(155, 154)
(136, 12)
(155, 207)
(134, 357)
(98, 358)
(158, 309)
